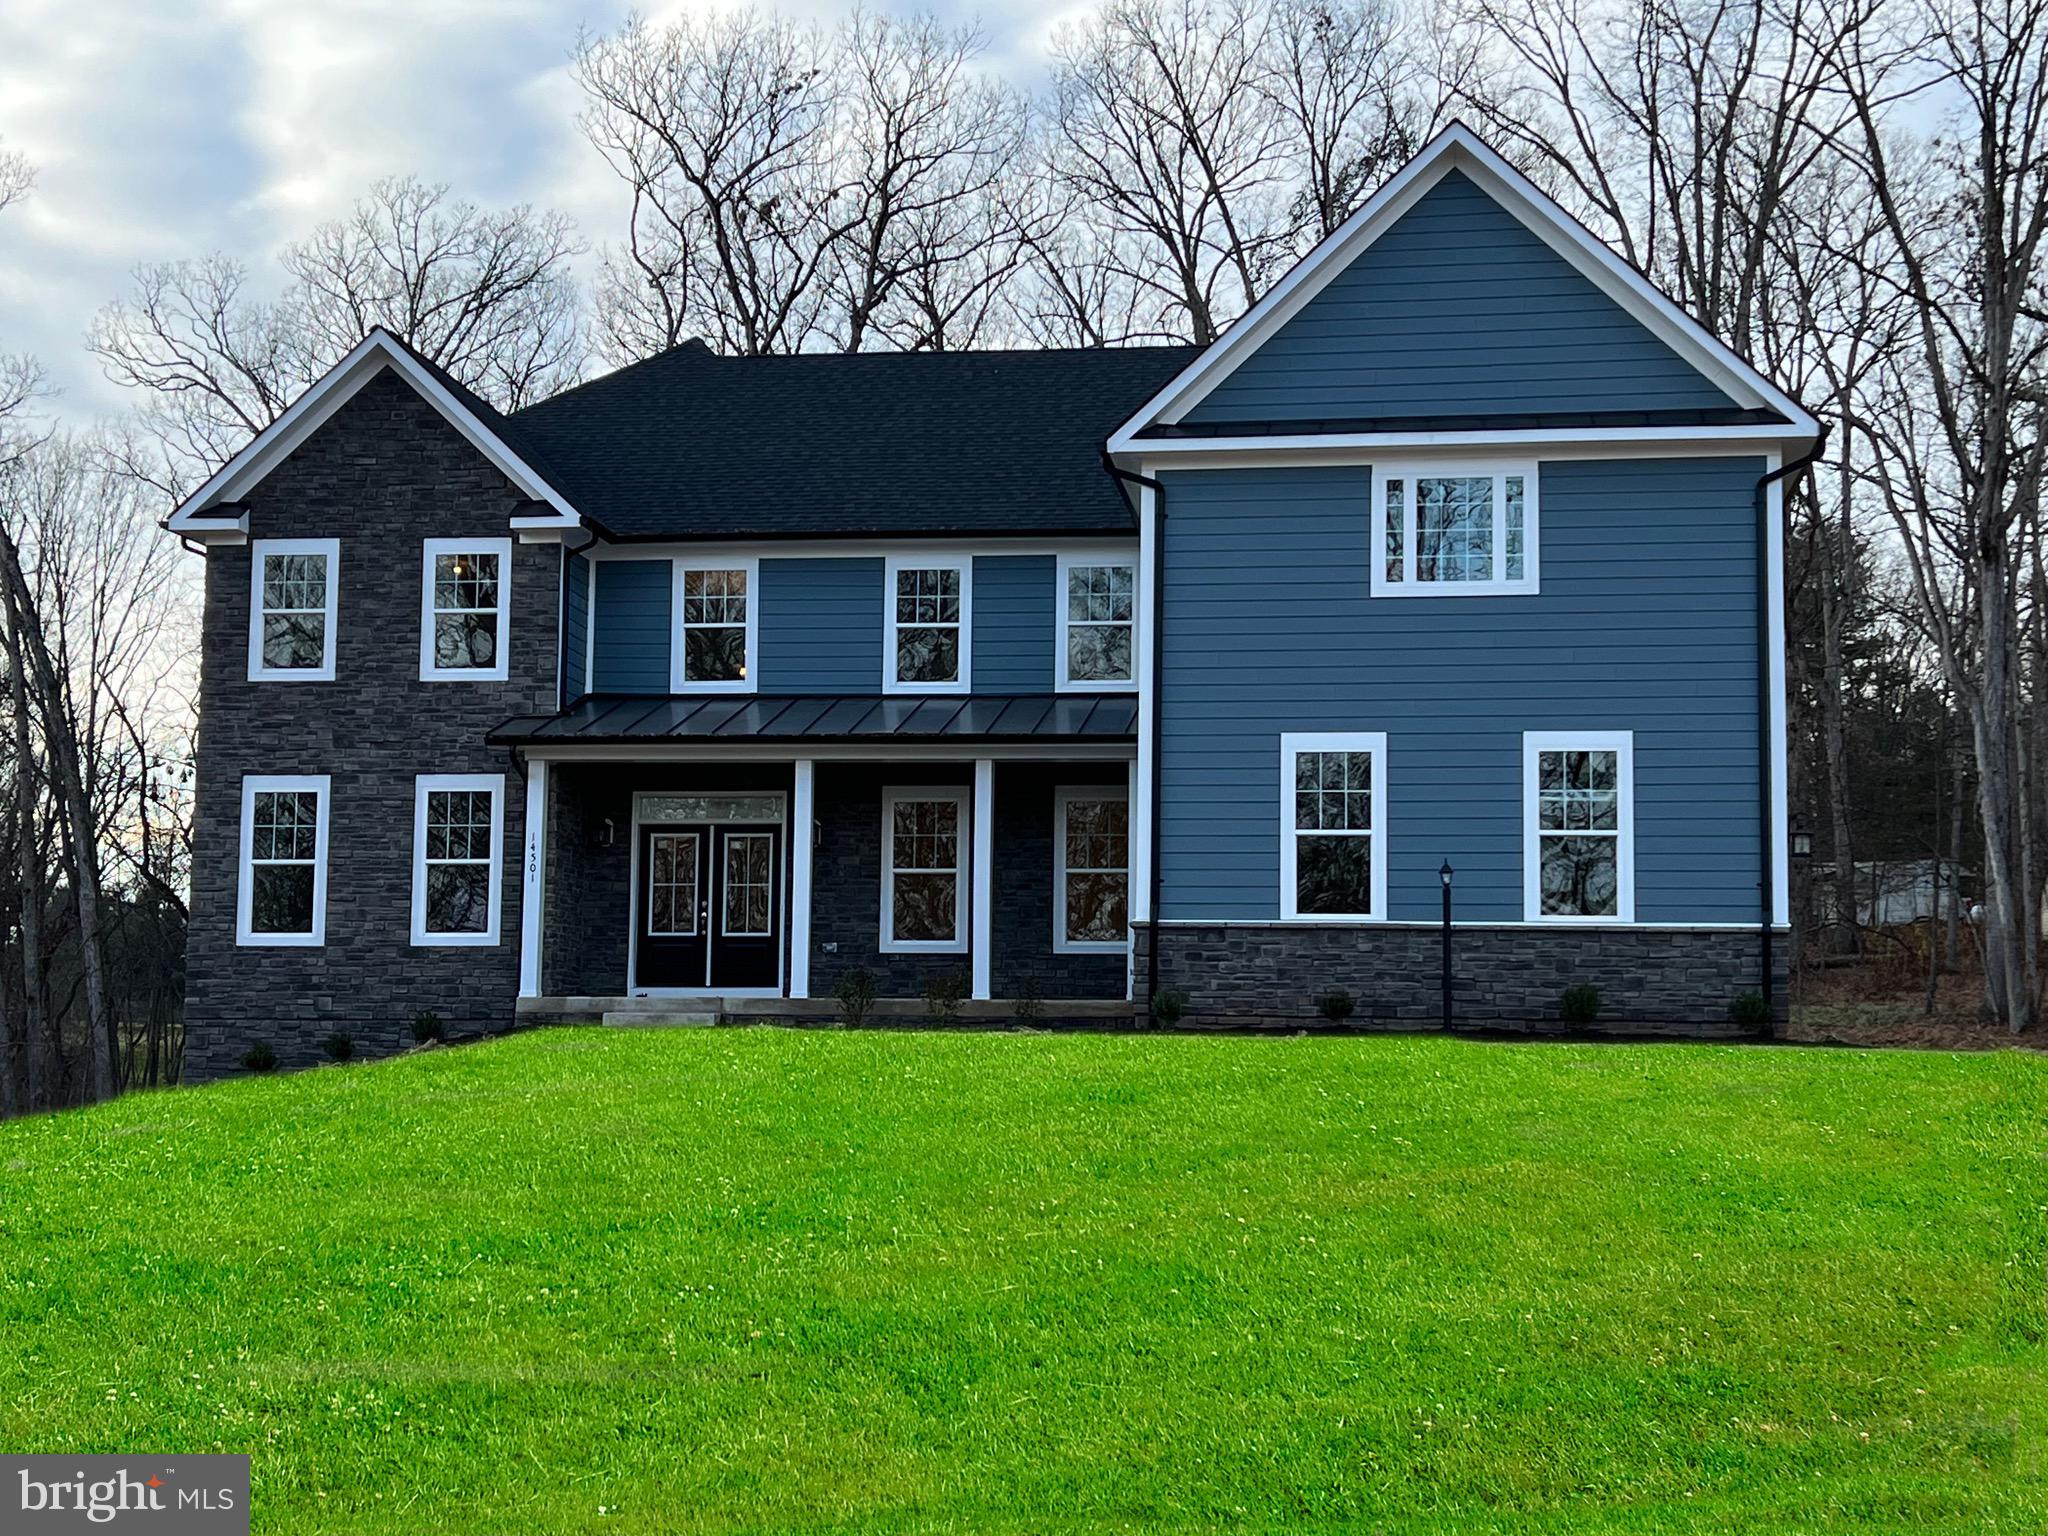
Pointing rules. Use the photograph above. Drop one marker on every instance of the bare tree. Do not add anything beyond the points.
(1347, 87)
(721, 127)
(488, 295)
(1966, 217)
(1165, 137)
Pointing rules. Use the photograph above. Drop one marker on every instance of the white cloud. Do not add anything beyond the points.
(169, 130)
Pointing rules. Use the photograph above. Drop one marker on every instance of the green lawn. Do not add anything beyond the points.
(759, 1280)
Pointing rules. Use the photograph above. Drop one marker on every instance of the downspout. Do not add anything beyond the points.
(1158, 670)
(1766, 744)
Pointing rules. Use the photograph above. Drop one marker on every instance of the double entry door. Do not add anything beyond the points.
(708, 897)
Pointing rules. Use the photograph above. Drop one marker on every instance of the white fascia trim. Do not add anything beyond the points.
(1062, 797)
(933, 560)
(715, 551)
(1458, 147)
(958, 795)
(1498, 470)
(259, 551)
(1151, 454)
(375, 352)
(1293, 742)
(1064, 563)
(429, 671)
(741, 750)
(681, 566)
(1622, 744)
(425, 784)
(253, 785)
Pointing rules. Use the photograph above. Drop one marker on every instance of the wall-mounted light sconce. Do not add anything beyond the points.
(1802, 840)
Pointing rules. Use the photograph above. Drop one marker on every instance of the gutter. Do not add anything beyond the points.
(1766, 746)
(1158, 670)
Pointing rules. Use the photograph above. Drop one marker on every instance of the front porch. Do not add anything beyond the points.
(684, 879)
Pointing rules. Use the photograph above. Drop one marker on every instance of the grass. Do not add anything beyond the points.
(765, 1280)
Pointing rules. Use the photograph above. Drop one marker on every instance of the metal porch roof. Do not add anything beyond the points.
(612, 718)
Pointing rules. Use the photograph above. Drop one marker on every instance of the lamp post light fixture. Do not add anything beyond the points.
(1444, 875)
(1802, 840)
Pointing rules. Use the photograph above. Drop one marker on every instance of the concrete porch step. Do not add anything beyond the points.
(703, 1012)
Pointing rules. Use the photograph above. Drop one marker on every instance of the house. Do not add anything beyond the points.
(703, 685)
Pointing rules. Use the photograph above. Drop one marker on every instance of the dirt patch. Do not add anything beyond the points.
(1904, 1024)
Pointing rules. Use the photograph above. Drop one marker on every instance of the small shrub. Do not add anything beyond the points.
(944, 994)
(260, 1057)
(340, 1045)
(1336, 1005)
(1169, 1006)
(855, 994)
(1027, 1005)
(1580, 1004)
(426, 1025)
(1751, 1011)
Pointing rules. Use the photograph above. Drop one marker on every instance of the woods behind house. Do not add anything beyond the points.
(1853, 194)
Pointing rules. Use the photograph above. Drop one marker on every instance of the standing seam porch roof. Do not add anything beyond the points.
(645, 719)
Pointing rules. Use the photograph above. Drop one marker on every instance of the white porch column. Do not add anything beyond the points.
(1143, 814)
(533, 879)
(803, 839)
(984, 870)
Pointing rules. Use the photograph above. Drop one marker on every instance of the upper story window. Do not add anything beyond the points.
(714, 603)
(1098, 608)
(927, 639)
(283, 895)
(1453, 530)
(291, 609)
(458, 857)
(1333, 793)
(1578, 829)
(466, 610)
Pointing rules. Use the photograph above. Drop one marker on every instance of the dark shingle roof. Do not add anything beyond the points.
(690, 444)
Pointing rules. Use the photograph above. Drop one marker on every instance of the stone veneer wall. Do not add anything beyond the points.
(1269, 975)
(381, 475)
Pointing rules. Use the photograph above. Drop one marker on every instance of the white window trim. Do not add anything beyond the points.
(1062, 798)
(424, 785)
(1062, 682)
(964, 564)
(258, 549)
(502, 548)
(1499, 470)
(891, 796)
(1622, 744)
(751, 683)
(253, 785)
(1294, 742)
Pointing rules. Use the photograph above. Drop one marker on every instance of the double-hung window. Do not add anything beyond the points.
(291, 609)
(1578, 829)
(924, 869)
(714, 604)
(465, 610)
(458, 826)
(283, 889)
(927, 636)
(1098, 612)
(1333, 808)
(1092, 883)
(1453, 530)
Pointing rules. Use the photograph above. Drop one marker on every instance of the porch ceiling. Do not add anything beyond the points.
(610, 718)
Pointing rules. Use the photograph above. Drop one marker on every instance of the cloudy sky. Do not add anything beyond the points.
(169, 128)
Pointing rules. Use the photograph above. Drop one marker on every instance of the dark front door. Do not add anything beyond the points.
(709, 906)
(746, 900)
(674, 907)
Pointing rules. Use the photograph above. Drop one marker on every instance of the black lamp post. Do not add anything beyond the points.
(1444, 874)
(1802, 840)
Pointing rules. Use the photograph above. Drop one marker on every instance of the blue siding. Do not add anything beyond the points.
(1646, 622)
(634, 599)
(1013, 623)
(820, 626)
(576, 631)
(1457, 309)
